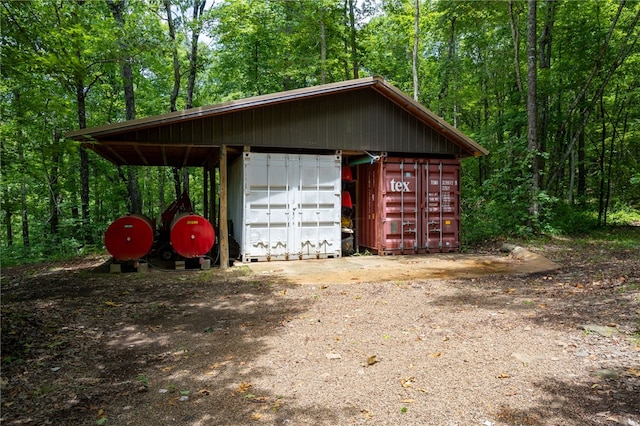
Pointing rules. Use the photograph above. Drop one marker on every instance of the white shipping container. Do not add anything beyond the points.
(286, 206)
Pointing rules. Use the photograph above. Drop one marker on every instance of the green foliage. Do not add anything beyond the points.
(472, 68)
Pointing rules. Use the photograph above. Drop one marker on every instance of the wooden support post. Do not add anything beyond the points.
(205, 183)
(224, 231)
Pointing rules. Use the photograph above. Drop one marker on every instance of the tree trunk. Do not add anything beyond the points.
(54, 187)
(23, 197)
(176, 60)
(448, 66)
(323, 48)
(177, 186)
(176, 82)
(84, 164)
(185, 180)
(198, 9)
(515, 35)
(545, 65)
(352, 39)
(416, 35)
(117, 10)
(582, 171)
(9, 228)
(601, 165)
(161, 184)
(532, 119)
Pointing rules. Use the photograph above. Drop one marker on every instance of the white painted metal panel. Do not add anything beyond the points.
(291, 207)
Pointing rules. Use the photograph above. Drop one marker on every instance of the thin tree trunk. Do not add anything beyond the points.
(117, 10)
(185, 180)
(323, 48)
(572, 176)
(545, 43)
(9, 228)
(352, 38)
(515, 35)
(176, 182)
(416, 36)
(84, 164)
(161, 184)
(54, 189)
(196, 28)
(601, 165)
(582, 171)
(23, 198)
(176, 60)
(198, 9)
(532, 119)
(176, 82)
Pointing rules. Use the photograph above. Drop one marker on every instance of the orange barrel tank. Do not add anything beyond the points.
(129, 237)
(191, 235)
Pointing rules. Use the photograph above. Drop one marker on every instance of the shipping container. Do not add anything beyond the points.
(286, 206)
(409, 206)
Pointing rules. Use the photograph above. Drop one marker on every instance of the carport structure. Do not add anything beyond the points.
(355, 117)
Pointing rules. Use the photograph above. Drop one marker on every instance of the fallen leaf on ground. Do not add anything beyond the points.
(243, 387)
(408, 381)
(634, 371)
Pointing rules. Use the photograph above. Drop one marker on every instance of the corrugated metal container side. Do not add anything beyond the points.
(409, 206)
(442, 212)
(286, 206)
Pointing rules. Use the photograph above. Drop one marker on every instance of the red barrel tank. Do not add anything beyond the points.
(129, 237)
(191, 235)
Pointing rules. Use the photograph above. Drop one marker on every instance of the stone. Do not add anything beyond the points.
(606, 373)
(523, 358)
(602, 330)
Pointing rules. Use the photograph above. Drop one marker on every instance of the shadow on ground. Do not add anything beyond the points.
(158, 348)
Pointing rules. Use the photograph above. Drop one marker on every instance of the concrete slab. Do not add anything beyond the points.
(356, 269)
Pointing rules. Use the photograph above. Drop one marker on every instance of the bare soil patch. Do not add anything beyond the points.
(241, 346)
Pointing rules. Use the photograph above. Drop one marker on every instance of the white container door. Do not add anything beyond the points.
(291, 206)
(317, 208)
(266, 207)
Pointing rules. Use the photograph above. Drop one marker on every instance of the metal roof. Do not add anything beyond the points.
(363, 114)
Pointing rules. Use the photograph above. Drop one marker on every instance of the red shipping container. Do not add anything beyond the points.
(409, 206)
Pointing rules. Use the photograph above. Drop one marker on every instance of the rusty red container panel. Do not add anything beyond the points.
(441, 215)
(129, 237)
(191, 235)
(409, 206)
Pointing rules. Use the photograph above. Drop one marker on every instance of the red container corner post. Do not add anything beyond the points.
(129, 237)
(409, 205)
(191, 235)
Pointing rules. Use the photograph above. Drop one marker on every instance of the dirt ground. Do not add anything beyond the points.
(549, 335)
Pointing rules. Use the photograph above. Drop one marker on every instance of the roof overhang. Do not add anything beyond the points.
(124, 143)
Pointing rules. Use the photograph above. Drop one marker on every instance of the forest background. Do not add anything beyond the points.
(551, 88)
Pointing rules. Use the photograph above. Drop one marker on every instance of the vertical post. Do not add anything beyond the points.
(224, 232)
(205, 183)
